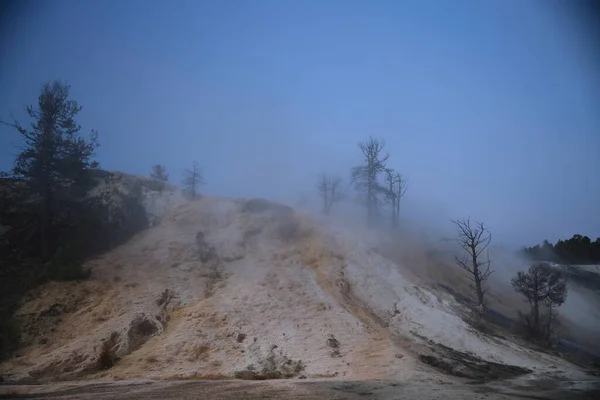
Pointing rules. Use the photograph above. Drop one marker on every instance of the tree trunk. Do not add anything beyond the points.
(45, 234)
(369, 205)
(397, 207)
(477, 279)
(45, 230)
(393, 213)
(548, 333)
(536, 315)
(45, 216)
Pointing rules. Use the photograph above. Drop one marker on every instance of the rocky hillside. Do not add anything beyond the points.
(222, 288)
(118, 207)
(155, 196)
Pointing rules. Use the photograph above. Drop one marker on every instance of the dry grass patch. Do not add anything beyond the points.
(199, 352)
(151, 359)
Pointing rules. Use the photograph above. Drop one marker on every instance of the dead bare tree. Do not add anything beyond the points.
(323, 192)
(365, 177)
(474, 240)
(192, 180)
(396, 186)
(329, 189)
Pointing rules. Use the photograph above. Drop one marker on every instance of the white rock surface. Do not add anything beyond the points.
(281, 284)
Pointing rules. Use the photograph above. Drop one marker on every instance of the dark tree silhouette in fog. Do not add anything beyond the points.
(55, 164)
(577, 250)
(192, 180)
(329, 190)
(159, 172)
(365, 177)
(541, 285)
(395, 188)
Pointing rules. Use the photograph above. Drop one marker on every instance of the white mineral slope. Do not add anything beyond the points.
(282, 285)
(263, 289)
(414, 312)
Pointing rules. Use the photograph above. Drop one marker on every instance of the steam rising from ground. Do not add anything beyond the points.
(421, 246)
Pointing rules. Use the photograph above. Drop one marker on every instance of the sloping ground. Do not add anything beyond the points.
(579, 318)
(580, 315)
(250, 289)
(154, 196)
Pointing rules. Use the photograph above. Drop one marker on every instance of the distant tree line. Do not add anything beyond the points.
(577, 250)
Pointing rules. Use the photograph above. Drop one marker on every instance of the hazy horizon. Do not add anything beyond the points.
(490, 110)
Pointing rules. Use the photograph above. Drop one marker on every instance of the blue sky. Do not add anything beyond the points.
(490, 108)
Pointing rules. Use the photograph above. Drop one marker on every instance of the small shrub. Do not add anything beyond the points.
(106, 356)
(165, 298)
(333, 342)
(240, 337)
(199, 352)
(141, 328)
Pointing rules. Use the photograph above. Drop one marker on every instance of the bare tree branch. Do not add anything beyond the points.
(365, 177)
(192, 180)
(396, 186)
(474, 239)
(329, 189)
(15, 124)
